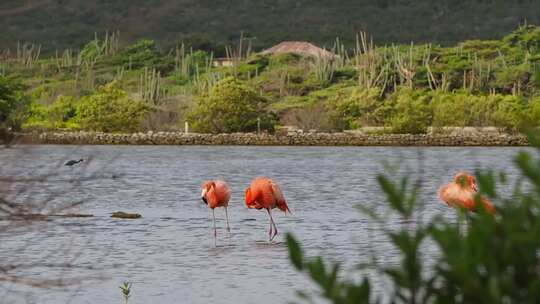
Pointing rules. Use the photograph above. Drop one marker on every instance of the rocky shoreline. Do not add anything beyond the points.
(283, 139)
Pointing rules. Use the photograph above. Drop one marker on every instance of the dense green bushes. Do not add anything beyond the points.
(488, 259)
(12, 102)
(59, 115)
(356, 108)
(535, 111)
(109, 109)
(231, 106)
(469, 110)
(143, 53)
(412, 111)
(452, 110)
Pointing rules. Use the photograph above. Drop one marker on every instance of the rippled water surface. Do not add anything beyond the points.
(169, 254)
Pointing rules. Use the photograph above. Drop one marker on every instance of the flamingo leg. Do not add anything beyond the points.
(227, 216)
(214, 217)
(275, 230)
(273, 224)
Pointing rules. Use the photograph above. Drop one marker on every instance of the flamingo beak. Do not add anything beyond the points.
(475, 187)
(203, 196)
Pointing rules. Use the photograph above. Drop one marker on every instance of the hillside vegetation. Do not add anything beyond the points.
(406, 88)
(60, 24)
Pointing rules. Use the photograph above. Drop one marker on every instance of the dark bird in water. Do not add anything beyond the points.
(74, 162)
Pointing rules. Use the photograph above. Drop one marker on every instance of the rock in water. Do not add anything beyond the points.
(125, 215)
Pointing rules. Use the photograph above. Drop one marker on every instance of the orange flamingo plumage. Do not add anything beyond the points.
(216, 193)
(461, 194)
(264, 193)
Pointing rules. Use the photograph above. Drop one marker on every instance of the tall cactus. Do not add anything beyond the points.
(405, 65)
(373, 67)
(324, 68)
(28, 54)
(150, 86)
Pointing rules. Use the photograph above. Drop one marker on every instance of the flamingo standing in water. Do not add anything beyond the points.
(461, 194)
(216, 193)
(264, 193)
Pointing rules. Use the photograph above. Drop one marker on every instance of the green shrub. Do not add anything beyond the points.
(451, 109)
(8, 98)
(110, 109)
(534, 112)
(509, 112)
(12, 102)
(412, 111)
(461, 109)
(92, 51)
(536, 77)
(36, 117)
(63, 110)
(526, 37)
(143, 53)
(358, 107)
(59, 115)
(285, 80)
(515, 77)
(483, 48)
(231, 106)
(489, 259)
(504, 111)
(258, 60)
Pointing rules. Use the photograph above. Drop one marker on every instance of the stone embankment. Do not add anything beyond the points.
(450, 138)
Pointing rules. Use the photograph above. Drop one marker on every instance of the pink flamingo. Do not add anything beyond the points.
(265, 193)
(461, 194)
(216, 193)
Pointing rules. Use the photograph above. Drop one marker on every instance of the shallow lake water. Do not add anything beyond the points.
(169, 254)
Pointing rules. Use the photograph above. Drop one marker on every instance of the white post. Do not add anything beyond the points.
(186, 127)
